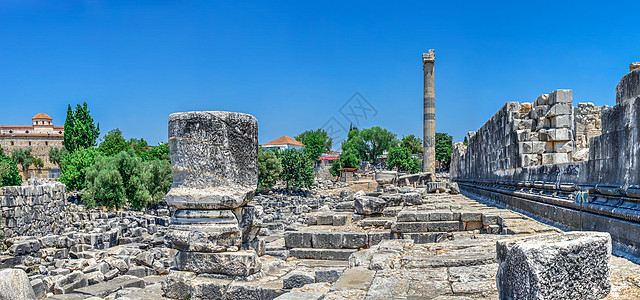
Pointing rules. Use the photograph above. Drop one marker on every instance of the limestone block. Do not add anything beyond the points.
(572, 265)
(522, 135)
(519, 124)
(297, 279)
(386, 177)
(69, 283)
(177, 284)
(213, 159)
(531, 147)
(529, 160)
(240, 263)
(561, 121)
(561, 96)
(581, 155)
(204, 237)
(249, 221)
(559, 109)
(15, 285)
(563, 147)
(525, 107)
(560, 134)
(554, 158)
(541, 100)
(367, 205)
(539, 111)
(629, 86)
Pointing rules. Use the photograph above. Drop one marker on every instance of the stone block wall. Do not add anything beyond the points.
(549, 140)
(34, 210)
(545, 132)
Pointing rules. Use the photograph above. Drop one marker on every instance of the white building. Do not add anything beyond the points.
(283, 143)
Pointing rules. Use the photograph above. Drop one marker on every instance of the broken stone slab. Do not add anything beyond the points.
(386, 177)
(71, 282)
(15, 285)
(367, 205)
(213, 159)
(297, 279)
(358, 278)
(205, 237)
(107, 288)
(240, 263)
(322, 254)
(572, 265)
(177, 284)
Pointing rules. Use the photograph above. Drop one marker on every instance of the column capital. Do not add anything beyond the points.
(429, 57)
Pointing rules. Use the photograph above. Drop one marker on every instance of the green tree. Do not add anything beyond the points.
(79, 128)
(74, 167)
(38, 163)
(377, 140)
(400, 157)
(412, 143)
(355, 144)
(269, 169)
(444, 148)
(315, 142)
(56, 155)
(104, 185)
(335, 167)
(349, 159)
(113, 142)
(157, 178)
(8, 171)
(297, 169)
(466, 141)
(160, 152)
(141, 148)
(24, 158)
(130, 167)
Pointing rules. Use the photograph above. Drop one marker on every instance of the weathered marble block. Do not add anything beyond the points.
(213, 158)
(572, 265)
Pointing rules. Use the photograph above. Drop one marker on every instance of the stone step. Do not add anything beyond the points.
(322, 254)
(377, 222)
(437, 226)
(326, 240)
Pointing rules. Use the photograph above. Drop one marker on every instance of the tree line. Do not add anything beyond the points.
(111, 174)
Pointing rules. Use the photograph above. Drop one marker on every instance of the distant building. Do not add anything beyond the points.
(326, 159)
(40, 136)
(283, 143)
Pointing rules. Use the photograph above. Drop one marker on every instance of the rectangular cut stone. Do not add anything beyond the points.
(204, 237)
(297, 239)
(560, 134)
(561, 121)
(563, 147)
(572, 265)
(529, 160)
(559, 109)
(332, 240)
(439, 226)
(531, 147)
(555, 158)
(561, 96)
(240, 263)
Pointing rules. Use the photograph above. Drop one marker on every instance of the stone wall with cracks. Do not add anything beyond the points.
(34, 210)
(583, 159)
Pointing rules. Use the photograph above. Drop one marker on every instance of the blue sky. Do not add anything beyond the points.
(294, 64)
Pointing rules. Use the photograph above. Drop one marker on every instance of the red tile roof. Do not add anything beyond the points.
(42, 116)
(285, 140)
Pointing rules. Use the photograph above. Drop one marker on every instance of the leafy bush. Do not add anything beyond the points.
(56, 155)
(8, 171)
(114, 181)
(269, 169)
(131, 167)
(104, 185)
(297, 169)
(335, 167)
(400, 157)
(157, 179)
(74, 167)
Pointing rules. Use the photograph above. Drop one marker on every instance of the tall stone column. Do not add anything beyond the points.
(429, 126)
(214, 158)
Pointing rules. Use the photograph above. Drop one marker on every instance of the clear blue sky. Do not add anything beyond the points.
(294, 64)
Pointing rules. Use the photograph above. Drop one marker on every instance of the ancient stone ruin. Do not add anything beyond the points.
(572, 166)
(476, 235)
